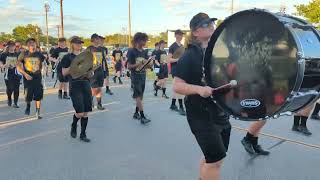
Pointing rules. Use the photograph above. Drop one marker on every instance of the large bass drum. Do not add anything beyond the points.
(274, 57)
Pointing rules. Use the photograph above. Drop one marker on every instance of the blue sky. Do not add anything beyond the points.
(84, 17)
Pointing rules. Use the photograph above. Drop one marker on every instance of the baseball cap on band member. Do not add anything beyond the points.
(62, 40)
(10, 43)
(162, 42)
(199, 20)
(30, 39)
(101, 37)
(95, 36)
(76, 40)
(178, 32)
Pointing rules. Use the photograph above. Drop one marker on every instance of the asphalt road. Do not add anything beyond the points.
(123, 149)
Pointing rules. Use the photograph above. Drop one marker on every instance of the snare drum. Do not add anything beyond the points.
(274, 57)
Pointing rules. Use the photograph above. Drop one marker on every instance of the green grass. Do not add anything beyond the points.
(151, 76)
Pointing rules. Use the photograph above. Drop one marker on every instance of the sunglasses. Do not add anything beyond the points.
(207, 24)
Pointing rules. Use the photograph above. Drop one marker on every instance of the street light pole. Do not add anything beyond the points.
(47, 7)
(129, 28)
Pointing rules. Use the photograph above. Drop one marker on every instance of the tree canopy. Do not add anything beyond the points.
(310, 11)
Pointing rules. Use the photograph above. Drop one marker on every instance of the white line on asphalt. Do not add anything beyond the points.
(22, 140)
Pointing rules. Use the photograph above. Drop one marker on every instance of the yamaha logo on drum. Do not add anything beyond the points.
(250, 103)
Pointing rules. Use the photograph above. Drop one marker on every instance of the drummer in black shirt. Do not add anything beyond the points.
(105, 65)
(8, 60)
(172, 49)
(30, 65)
(137, 56)
(209, 124)
(161, 62)
(80, 91)
(98, 62)
(117, 57)
(57, 55)
(155, 66)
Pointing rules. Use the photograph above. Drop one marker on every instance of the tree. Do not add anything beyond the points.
(22, 33)
(5, 37)
(310, 11)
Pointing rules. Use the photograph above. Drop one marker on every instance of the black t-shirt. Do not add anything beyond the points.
(32, 63)
(190, 68)
(173, 49)
(117, 55)
(105, 55)
(99, 58)
(66, 62)
(160, 57)
(10, 59)
(136, 56)
(58, 52)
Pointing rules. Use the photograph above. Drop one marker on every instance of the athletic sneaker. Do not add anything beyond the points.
(305, 130)
(144, 120)
(136, 116)
(258, 149)
(316, 117)
(247, 146)
(174, 108)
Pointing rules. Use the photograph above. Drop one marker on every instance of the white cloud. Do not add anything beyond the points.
(14, 14)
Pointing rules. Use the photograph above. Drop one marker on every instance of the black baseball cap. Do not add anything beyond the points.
(101, 37)
(162, 42)
(178, 32)
(76, 40)
(30, 39)
(95, 36)
(62, 39)
(10, 43)
(200, 19)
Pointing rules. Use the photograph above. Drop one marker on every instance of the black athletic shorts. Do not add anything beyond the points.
(34, 89)
(80, 93)
(138, 82)
(97, 79)
(118, 66)
(63, 79)
(212, 137)
(163, 73)
(12, 84)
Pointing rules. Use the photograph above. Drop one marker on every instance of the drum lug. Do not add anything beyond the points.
(288, 113)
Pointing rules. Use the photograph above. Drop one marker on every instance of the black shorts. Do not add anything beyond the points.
(213, 138)
(97, 79)
(163, 72)
(138, 82)
(118, 66)
(34, 90)
(62, 79)
(80, 93)
(12, 84)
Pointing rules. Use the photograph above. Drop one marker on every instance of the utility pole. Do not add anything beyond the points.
(37, 35)
(232, 7)
(61, 16)
(129, 28)
(58, 27)
(47, 7)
